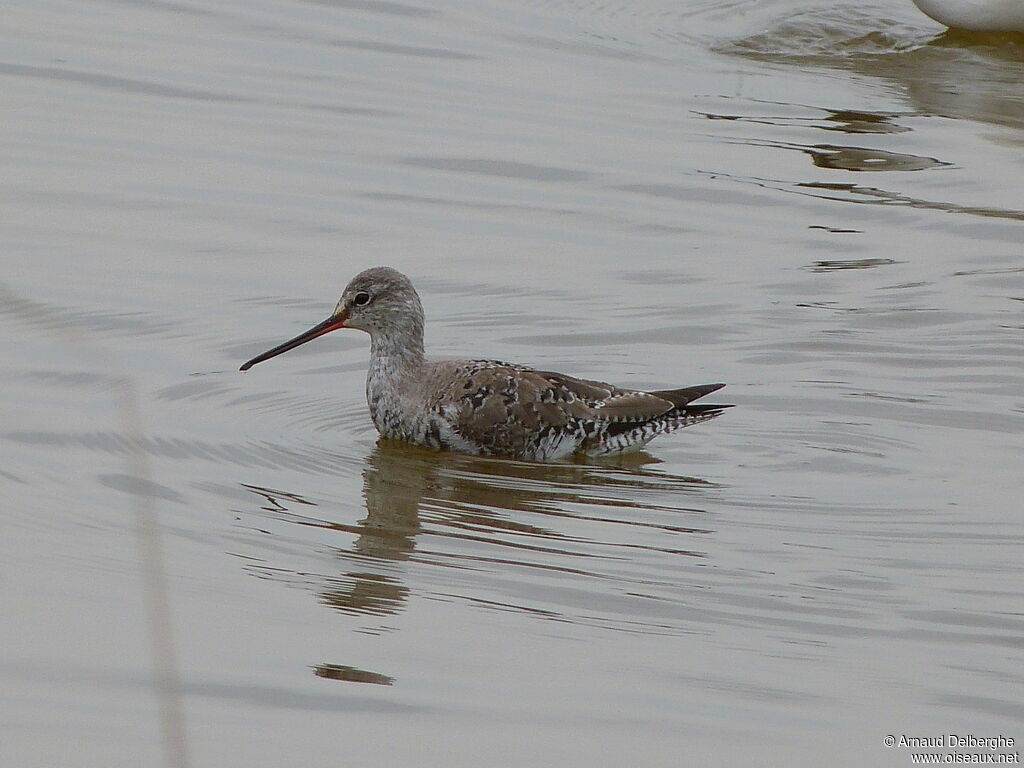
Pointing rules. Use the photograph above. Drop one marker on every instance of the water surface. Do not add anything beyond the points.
(820, 205)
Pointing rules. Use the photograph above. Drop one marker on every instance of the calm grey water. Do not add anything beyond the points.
(820, 204)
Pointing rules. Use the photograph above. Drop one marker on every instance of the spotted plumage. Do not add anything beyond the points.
(486, 406)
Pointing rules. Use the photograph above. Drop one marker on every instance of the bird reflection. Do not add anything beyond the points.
(411, 493)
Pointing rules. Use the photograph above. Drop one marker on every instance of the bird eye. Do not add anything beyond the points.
(361, 298)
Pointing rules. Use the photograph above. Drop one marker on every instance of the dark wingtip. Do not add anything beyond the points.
(706, 407)
(686, 395)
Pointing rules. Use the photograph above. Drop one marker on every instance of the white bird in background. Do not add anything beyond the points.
(976, 15)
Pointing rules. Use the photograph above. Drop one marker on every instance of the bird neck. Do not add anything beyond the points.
(397, 365)
(397, 353)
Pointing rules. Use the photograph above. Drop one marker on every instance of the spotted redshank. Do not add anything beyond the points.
(485, 406)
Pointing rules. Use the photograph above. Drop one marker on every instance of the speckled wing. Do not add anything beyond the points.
(609, 403)
(520, 411)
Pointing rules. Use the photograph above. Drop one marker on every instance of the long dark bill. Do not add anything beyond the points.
(328, 325)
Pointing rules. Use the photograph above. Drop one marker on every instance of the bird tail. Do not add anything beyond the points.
(683, 398)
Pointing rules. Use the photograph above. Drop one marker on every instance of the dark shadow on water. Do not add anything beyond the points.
(351, 674)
